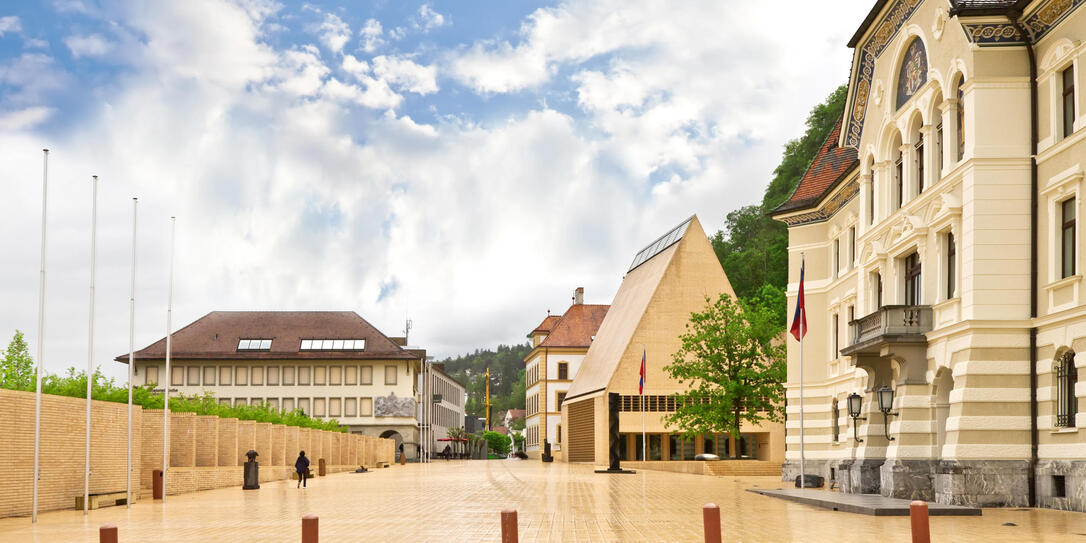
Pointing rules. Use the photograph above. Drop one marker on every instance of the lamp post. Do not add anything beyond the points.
(855, 404)
(886, 403)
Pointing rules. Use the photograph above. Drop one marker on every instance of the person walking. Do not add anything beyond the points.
(301, 465)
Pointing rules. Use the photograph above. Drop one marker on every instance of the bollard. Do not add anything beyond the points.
(509, 526)
(309, 529)
(156, 484)
(710, 514)
(918, 518)
(107, 533)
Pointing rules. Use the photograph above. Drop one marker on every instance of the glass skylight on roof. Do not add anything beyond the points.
(661, 243)
(333, 345)
(246, 344)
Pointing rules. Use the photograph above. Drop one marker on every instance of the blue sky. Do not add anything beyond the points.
(462, 164)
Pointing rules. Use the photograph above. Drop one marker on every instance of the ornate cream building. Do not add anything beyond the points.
(939, 226)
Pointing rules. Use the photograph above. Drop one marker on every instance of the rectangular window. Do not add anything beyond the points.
(254, 344)
(390, 375)
(851, 247)
(225, 374)
(303, 404)
(938, 151)
(320, 375)
(365, 407)
(194, 375)
(561, 399)
(273, 403)
(273, 375)
(878, 290)
(1068, 101)
(318, 407)
(350, 407)
(257, 376)
(256, 401)
(836, 257)
(239, 402)
(871, 201)
(961, 119)
(335, 375)
(225, 401)
(209, 375)
(899, 178)
(836, 335)
(177, 376)
(150, 375)
(241, 376)
(675, 447)
(350, 375)
(1067, 238)
(365, 377)
(912, 280)
(288, 375)
(334, 407)
(920, 165)
(288, 404)
(303, 375)
(563, 370)
(951, 266)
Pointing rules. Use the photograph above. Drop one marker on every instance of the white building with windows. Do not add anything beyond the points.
(329, 364)
(939, 228)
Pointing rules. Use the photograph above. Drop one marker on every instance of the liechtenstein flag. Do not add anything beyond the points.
(641, 385)
(799, 321)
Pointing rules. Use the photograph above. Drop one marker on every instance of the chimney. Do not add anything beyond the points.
(578, 296)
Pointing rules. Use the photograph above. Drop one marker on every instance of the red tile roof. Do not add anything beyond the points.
(577, 326)
(547, 325)
(828, 167)
(215, 336)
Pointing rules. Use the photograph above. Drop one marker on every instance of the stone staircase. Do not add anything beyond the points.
(743, 468)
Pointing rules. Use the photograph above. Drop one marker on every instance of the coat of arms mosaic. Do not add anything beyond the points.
(914, 72)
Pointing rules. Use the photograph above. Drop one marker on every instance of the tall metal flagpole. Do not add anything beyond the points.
(131, 354)
(167, 379)
(90, 344)
(41, 333)
(802, 333)
(644, 439)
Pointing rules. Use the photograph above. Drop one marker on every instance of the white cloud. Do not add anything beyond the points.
(24, 119)
(406, 74)
(334, 33)
(91, 45)
(428, 19)
(10, 23)
(371, 35)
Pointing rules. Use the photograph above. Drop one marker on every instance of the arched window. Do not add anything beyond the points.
(1066, 402)
(835, 412)
(961, 118)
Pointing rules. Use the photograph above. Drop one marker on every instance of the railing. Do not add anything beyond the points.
(891, 320)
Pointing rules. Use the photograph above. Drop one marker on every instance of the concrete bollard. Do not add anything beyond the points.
(107, 533)
(309, 529)
(918, 518)
(710, 514)
(509, 526)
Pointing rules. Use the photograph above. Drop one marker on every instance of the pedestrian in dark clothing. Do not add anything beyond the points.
(301, 465)
(401, 452)
(447, 452)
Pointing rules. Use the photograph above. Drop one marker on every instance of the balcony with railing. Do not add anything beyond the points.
(888, 324)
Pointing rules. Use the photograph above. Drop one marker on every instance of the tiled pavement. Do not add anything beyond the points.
(460, 502)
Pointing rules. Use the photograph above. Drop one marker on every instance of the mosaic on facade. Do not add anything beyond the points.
(914, 72)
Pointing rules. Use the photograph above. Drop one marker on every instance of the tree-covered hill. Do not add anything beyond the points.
(506, 377)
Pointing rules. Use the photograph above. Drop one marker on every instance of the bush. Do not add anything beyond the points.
(497, 443)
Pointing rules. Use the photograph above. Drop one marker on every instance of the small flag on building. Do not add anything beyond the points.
(641, 384)
(799, 321)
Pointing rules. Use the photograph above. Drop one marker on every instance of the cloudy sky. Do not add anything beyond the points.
(466, 164)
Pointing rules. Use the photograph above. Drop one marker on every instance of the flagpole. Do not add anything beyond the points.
(41, 334)
(802, 333)
(644, 439)
(90, 345)
(167, 380)
(131, 355)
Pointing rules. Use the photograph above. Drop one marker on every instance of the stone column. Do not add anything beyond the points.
(865, 202)
(949, 109)
(908, 172)
(931, 176)
(884, 188)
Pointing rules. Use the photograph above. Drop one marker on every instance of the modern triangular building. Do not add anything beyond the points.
(667, 281)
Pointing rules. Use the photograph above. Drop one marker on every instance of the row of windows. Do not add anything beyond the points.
(443, 416)
(632, 446)
(449, 392)
(531, 404)
(848, 264)
(531, 436)
(654, 403)
(333, 344)
(531, 376)
(314, 407)
(270, 375)
(912, 285)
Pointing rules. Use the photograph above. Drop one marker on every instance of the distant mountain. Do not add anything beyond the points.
(506, 378)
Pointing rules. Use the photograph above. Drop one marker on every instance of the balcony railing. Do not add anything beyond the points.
(889, 324)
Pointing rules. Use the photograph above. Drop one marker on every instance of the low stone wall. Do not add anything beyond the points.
(205, 451)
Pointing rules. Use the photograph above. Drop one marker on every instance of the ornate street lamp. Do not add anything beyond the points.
(855, 403)
(886, 403)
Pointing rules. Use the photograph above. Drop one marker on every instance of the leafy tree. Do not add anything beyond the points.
(518, 441)
(17, 367)
(497, 443)
(752, 247)
(517, 424)
(734, 361)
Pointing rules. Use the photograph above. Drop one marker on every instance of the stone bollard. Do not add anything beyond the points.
(710, 514)
(309, 529)
(918, 518)
(322, 469)
(509, 526)
(107, 533)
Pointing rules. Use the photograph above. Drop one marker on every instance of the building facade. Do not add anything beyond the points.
(447, 401)
(558, 348)
(329, 364)
(668, 280)
(939, 229)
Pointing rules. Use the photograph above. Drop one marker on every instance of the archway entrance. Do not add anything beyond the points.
(397, 438)
(944, 383)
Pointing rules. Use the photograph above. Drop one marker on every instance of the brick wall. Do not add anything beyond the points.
(228, 442)
(207, 445)
(182, 440)
(246, 439)
(279, 445)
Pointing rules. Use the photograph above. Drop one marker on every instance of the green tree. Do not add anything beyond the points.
(733, 358)
(518, 441)
(497, 443)
(752, 247)
(17, 368)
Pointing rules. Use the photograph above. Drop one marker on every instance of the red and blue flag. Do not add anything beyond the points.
(641, 384)
(799, 321)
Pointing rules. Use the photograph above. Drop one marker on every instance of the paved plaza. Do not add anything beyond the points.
(460, 502)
